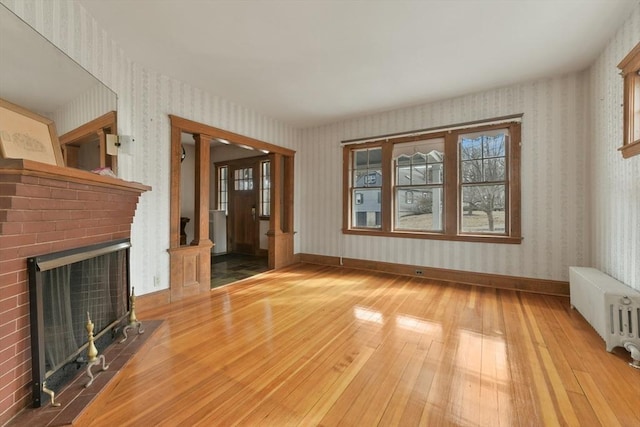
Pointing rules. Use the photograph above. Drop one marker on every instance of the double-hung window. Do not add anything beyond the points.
(366, 187)
(419, 185)
(456, 183)
(483, 181)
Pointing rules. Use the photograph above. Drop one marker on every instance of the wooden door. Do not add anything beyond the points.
(243, 215)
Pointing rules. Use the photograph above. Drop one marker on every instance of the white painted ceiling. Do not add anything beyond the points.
(310, 62)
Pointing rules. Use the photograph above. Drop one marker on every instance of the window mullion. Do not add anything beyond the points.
(451, 187)
(387, 185)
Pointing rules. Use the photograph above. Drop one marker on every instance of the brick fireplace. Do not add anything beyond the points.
(46, 209)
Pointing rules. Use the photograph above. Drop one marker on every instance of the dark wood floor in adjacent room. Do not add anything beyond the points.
(313, 345)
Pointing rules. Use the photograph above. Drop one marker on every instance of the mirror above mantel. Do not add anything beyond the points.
(38, 76)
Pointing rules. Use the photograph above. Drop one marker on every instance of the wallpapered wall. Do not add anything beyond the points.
(94, 103)
(145, 99)
(555, 216)
(614, 181)
(577, 192)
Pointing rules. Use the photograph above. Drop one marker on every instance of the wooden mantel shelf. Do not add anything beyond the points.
(43, 170)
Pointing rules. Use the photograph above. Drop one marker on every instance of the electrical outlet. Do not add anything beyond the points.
(419, 272)
(156, 281)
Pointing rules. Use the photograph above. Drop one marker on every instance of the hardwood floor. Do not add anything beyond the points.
(313, 345)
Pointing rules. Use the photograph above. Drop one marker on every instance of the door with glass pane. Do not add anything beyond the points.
(243, 215)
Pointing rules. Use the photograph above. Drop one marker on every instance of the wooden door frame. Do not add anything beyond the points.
(190, 266)
(254, 162)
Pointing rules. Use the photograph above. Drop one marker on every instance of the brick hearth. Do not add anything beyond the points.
(45, 209)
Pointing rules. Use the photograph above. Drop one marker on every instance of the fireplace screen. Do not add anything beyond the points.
(65, 288)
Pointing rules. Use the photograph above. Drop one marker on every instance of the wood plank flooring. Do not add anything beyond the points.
(316, 345)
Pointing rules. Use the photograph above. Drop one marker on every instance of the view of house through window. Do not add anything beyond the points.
(367, 185)
(419, 169)
(460, 183)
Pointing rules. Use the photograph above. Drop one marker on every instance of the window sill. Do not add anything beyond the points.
(481, 238)
(630, 150)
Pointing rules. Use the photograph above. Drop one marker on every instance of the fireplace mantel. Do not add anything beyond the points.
(44, 209)
(31, 168)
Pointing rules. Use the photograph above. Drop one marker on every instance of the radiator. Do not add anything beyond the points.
(611, 308)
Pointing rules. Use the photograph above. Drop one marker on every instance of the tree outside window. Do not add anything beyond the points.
(483, 174)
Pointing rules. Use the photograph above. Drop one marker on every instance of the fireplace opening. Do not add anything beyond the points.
(64, 289)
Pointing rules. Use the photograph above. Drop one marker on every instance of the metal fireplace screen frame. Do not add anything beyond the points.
(37, 266)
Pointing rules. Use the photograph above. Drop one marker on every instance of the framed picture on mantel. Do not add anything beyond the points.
(27, 135)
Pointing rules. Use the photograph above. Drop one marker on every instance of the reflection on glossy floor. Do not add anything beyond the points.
(313, 345)
(229, 268)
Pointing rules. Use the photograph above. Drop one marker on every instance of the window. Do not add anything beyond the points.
(223, 189)
(243, 179)
(483, 181)
(455, 183)
(408, 197)
(630, 70)
(359, 198)
(418, 184)
(366, 185)
(265, 188)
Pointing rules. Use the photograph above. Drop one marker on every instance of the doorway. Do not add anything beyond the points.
(190, 264)
(231, 267)
(242, 194)
(242, 190)
(243, 211)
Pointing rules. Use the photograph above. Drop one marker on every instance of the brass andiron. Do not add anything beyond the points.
(50, 393)
(92, 353)
(133, 321)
